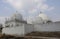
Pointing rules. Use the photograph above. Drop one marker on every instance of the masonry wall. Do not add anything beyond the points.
(17, 30)
(47, 27)
(29, 28)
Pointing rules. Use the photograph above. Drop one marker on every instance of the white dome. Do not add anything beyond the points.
(44, 17)
(38, 20)
(17, 16)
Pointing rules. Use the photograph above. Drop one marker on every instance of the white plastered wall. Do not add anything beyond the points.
(47, 27)
(18, 30)
(29, 28)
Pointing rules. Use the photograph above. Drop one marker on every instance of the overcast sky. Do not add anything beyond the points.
(30, 8)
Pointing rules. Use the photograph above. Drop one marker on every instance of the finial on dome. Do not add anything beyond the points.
(40, 12)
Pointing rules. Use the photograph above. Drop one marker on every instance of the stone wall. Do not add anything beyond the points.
(47, 27)
(28, 28)
(17, 30)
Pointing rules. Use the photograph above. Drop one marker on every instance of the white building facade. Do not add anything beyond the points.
(17, 26)
(49, 27)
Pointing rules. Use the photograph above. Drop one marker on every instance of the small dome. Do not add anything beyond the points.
(41, 18)
(17, 16)
(44, 17)
(38, 20)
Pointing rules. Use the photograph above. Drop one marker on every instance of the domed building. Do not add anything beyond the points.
(17, 16)
(40, 19)
(44, 17)
(15, 19)
(15, 25)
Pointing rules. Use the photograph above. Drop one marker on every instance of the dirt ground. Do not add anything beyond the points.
(34, 35)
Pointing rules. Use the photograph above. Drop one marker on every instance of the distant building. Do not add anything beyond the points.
(15, 25)
(41, 19)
